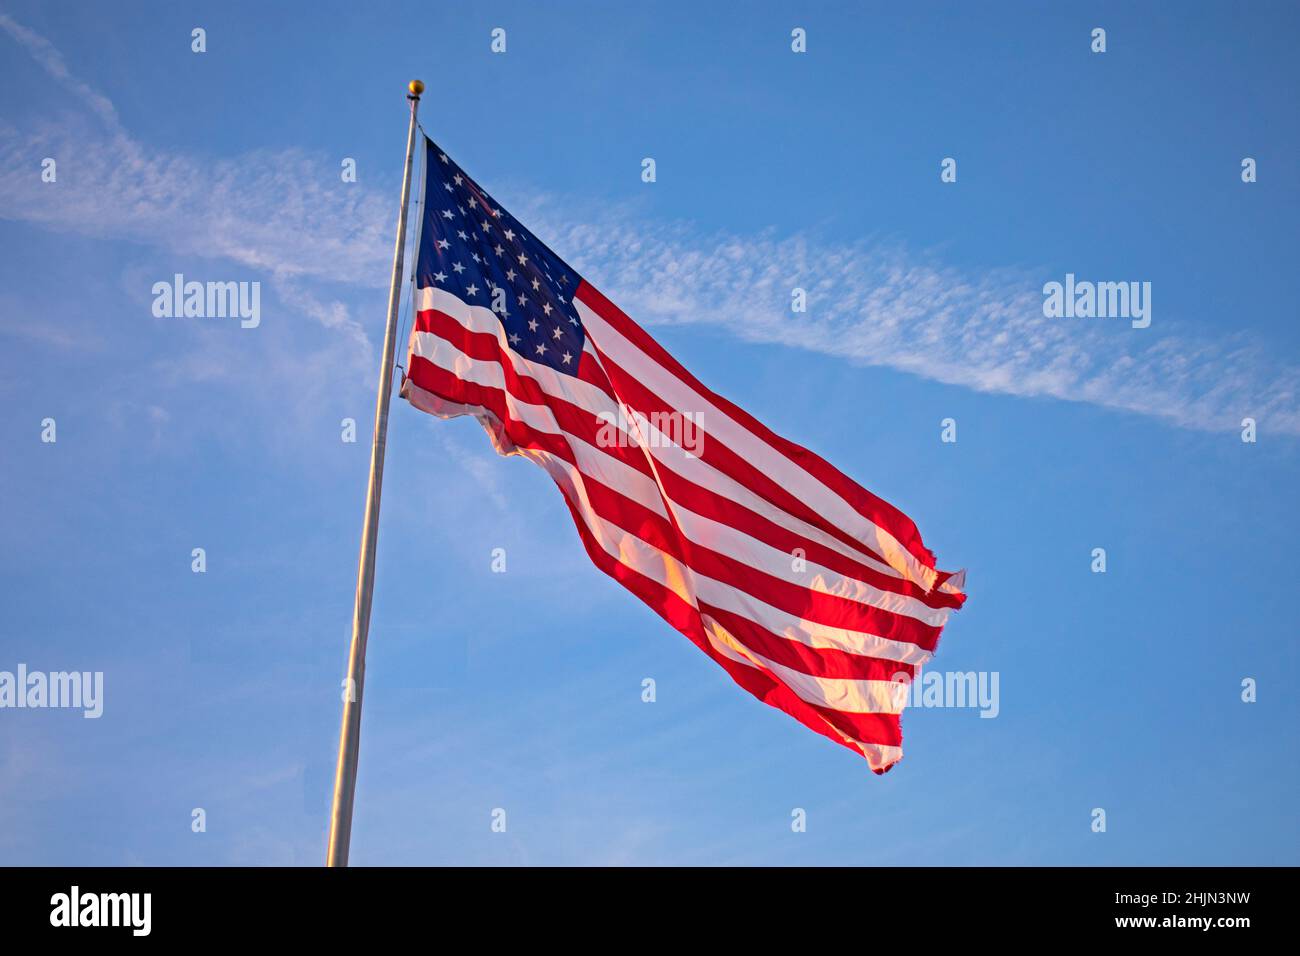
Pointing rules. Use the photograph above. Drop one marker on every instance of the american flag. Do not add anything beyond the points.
(813, 594)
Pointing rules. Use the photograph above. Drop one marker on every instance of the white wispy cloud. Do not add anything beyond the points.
(872, 303)
(51, 60)
(878, 303)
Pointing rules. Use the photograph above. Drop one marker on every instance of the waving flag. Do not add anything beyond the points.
(812, 593)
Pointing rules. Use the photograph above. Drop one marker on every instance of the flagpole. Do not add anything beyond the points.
(345, 773)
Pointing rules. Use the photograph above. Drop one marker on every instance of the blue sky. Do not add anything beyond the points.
(523, 690)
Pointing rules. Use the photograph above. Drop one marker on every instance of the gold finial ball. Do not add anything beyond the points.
(416, 87)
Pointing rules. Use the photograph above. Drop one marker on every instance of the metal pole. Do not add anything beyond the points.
(345, 774)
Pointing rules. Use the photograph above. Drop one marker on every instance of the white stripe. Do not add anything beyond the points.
(850, 696)
(761, 555)
(613, 473)
(604, 468)
(858, 696)
(480, 319)
(861, 696)
(879, 756)
(677, 394)
(686, 583)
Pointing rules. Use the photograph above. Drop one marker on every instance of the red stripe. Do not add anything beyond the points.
(874, 509)
(869, 728)
(637, 396)
(817, 661)
(585, 425)
(725, 511)
(827, 609)
(581, 421)
(484, 347)
(589, 371)
(880, 729)
(444, 384)
(634, 518)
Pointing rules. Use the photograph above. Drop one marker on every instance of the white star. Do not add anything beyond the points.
(509, 234)
(523, 299)
(573, 321)
(532, 325)
(567, 358)
(557, 333)
(523, 259)
(510, 274)
(443, 157)
(475, 257)
(458, 268)
(541, 349)
(514, 338)
(546, 308)
(458, 179)
(536, 285)
(498, 250)
(472, 290)
(473, 203)
(461, 233)
(487, 227)
(447, 214)
(443, 243)
(440, 277)
(447, 186)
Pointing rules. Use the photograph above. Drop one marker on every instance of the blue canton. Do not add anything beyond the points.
(477, 251)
